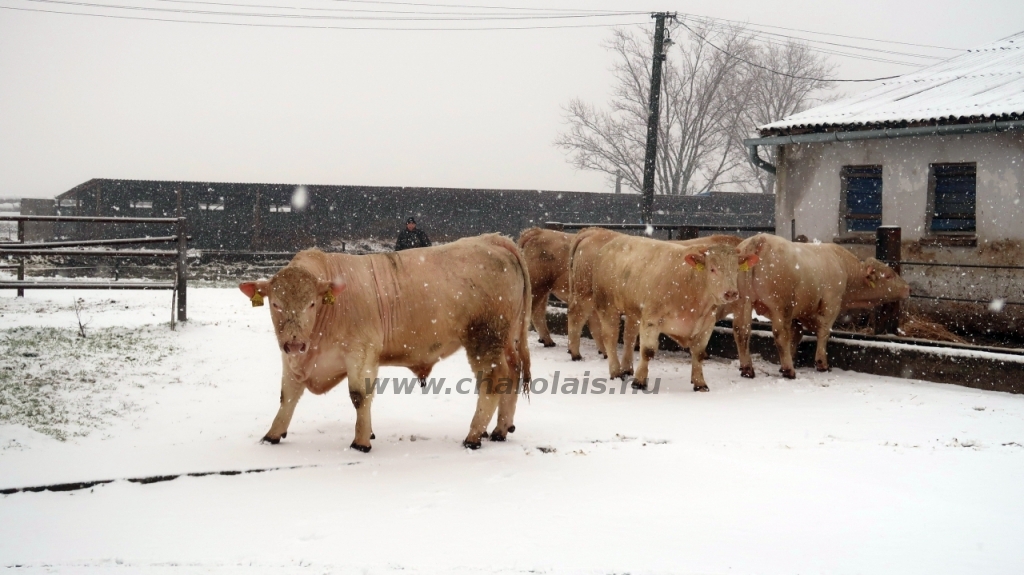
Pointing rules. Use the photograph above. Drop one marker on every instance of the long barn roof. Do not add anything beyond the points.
(981, 84)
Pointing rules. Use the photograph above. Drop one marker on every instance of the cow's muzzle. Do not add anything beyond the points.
(731, 296)
(294, 347)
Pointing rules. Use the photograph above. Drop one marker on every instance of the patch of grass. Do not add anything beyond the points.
(63, 385)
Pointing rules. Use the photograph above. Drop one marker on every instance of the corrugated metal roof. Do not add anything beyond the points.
(986, 82)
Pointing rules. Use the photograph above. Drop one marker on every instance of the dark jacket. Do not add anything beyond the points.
(411, 239)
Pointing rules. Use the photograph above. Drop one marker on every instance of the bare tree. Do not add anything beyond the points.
(718, 86)
(703, 100)
(787, 78)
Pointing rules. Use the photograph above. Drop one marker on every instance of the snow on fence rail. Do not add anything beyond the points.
(19, 250)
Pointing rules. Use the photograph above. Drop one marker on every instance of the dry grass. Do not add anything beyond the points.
(923, 328)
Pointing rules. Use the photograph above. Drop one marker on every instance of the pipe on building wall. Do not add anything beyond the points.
(954, 129)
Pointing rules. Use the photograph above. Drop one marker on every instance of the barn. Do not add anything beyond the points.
(938, 153)
(240, 217)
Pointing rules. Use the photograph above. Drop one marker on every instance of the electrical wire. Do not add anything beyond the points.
(310, 27)
(767, 69)
(828, 33)
(318, 17)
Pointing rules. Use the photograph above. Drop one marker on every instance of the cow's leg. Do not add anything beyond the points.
(493, 375)
(629, 332)
(798, 336)
(697, 355)
(741, 321)
(540, 318)
(597, 334)
(610, 334)
(782, 329)
(648, 347)
(579, 310)
(361, 390)
(507, 398)
(825, 320)
(291, 391)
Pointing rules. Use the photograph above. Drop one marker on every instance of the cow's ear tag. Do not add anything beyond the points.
(744, 267)
(699, 266)
(329, 298)
(871, 284)
(256, 299)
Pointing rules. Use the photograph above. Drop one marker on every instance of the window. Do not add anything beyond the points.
(280, 208)
(67, 203)
(952, 198)
(861, 198)
(212, 206)
(141, 204)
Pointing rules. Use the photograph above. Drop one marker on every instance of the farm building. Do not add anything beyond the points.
(263, 217)
(939, 153)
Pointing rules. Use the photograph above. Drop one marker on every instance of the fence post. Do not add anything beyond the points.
(182, 269)
(21, 260)
(888, 250)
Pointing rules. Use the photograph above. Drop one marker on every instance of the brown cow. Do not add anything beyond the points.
(547, 256)
(662, 287)
(582, 257)
(805, 286)
(339, 315)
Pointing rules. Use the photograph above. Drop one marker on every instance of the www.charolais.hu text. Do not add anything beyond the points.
(469, 385)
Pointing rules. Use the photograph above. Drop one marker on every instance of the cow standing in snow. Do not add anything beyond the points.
(661, 287)
(547, 256)
(583, 252)
(339, 315)
(805, 286)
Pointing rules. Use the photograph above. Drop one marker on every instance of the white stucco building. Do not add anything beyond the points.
(938, 152)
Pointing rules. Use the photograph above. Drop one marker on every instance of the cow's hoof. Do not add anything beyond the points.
(363, 448)
(821, 367)
(637, 384)
(271, 440)
(788, 373)
(700, 387)
(471, 444)
(548, 343)
(511, 429)
(604, 355)
(747, 372)
(576, 356)
(372, 436)
(495, 436)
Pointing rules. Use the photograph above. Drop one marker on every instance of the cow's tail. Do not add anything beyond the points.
(522, 330)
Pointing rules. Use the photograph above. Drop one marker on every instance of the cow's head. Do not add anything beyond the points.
(877, 284)
(295, 295)
(721, 264)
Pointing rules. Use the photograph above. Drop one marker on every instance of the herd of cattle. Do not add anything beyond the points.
(339, 315)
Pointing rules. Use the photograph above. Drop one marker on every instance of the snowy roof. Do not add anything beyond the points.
(986, 82)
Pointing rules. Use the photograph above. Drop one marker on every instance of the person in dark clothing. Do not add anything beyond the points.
(410, 237)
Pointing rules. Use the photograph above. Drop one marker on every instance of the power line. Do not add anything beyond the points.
(321, 17)
(712, 21)
(400, 12)
(829, 34)
(310, 27)
(767, 69)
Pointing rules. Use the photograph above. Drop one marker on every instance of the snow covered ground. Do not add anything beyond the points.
(830, 473)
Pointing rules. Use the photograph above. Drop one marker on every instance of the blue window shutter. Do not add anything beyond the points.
(863, 198)
(955, 198)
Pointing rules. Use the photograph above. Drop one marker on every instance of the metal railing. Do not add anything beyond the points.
(682, 232)
(20, 250)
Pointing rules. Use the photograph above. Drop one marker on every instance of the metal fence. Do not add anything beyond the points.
(124, 248)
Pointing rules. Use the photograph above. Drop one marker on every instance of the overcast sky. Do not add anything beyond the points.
(84, 97)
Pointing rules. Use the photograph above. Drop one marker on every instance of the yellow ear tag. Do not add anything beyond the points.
(871, 283)
(699, 266)
(744, 267)
(329, 298)
(256, 299)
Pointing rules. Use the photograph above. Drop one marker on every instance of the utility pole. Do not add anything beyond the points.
(647, 213)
